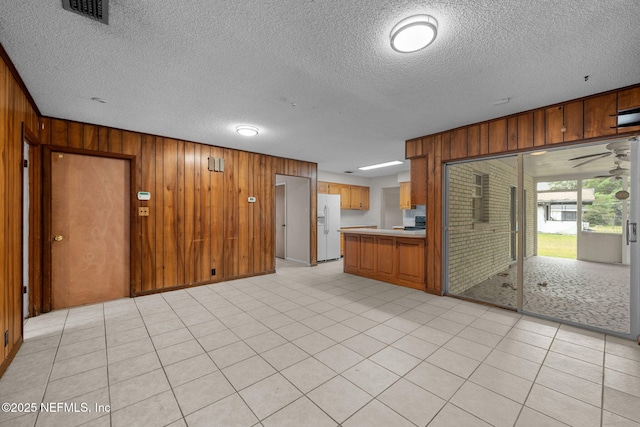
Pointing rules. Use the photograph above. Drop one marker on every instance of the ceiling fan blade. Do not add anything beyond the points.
(591, 155)
(593, 159)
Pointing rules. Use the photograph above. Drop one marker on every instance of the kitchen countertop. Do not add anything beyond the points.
(416, 234)
(358, 226)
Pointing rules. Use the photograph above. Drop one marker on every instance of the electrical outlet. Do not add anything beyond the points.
(143, 211)
(213, 271)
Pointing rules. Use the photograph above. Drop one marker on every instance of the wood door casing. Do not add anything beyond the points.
(90, 208)
(280, 221)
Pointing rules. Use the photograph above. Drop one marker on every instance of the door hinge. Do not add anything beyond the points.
(6, 338)
(25, 163)
(24, 289)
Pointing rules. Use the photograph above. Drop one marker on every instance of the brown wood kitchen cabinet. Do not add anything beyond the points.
(354, 197)
(419, 181)
(325, 187)
(405, 196)
(371, 227)
(392, 259)
(364, 198)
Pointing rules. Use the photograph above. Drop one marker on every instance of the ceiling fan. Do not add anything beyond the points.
(616, 173)
(620, 149)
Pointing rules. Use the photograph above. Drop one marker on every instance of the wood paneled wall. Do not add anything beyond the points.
(583, 120)
(199, 220)
(15, 109)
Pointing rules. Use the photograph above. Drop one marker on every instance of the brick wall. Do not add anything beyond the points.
(479, 250)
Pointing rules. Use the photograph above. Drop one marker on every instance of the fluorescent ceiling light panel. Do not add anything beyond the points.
(380, 165)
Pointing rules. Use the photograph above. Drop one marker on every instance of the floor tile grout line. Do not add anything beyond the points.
(161, 364)
(533, 382)
(311, 283)
(604, 364)
(44, 392)
(106, 355)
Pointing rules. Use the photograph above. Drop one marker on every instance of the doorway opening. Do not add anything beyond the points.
(292, 219)
(391, 215)
(562, 216)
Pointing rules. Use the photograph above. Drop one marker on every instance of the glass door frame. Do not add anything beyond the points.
(634, 208)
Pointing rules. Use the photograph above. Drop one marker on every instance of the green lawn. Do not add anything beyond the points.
(616, 229)
(557, 245)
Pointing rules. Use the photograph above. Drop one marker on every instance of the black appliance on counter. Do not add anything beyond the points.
(421, 223)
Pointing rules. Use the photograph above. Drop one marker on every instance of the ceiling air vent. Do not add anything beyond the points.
(95, 9)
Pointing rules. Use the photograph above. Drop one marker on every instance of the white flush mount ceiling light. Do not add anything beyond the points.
(414, 33)
(380, 165)
(246, 130)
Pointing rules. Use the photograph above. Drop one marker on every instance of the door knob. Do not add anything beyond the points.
(58, 238)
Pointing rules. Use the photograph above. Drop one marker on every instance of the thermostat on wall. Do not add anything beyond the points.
(252, 199)
(144, 195)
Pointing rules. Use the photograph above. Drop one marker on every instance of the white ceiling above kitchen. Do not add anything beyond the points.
(317, 78)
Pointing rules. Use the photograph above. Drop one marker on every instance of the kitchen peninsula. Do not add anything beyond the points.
(392, 256)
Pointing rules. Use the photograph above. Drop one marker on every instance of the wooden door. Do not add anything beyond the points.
(280, 221)
(90, 229)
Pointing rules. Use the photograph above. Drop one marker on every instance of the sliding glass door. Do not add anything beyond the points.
(482, 230)
(546, 234)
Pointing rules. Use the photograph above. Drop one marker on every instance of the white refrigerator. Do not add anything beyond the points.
(328, 227)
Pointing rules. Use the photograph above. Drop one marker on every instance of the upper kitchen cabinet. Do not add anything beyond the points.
(418, 181)
(345, 197)
(414, 148)
(405, 196)
(564, 123)
(355, 197)
(325, 187)
(351, 196)
(358, 197)
(364, 198)
(599, 116)
(628, 99)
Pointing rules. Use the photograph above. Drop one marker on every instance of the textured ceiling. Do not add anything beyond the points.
(318, 77)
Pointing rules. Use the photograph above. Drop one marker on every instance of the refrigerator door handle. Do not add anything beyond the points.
(327, 224)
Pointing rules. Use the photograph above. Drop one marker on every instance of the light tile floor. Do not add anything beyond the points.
(316, 347)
